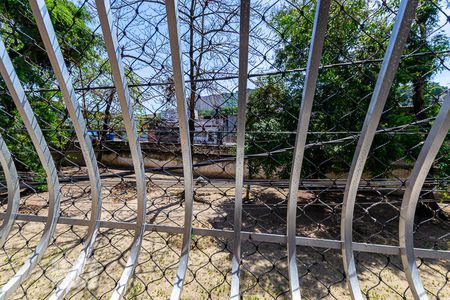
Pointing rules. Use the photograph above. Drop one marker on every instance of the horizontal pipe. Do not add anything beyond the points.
(247, 236)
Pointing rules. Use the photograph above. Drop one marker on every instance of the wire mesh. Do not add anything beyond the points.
(279, 40)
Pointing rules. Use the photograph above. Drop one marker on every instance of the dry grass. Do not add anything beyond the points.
(264, 266)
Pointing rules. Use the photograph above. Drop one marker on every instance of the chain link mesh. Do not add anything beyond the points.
(357, 37)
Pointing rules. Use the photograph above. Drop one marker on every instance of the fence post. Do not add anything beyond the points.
(23, 106)
(423, 164)
(185, 141)
(51, 44)
(12, 183)
(240, 145)
(126, 104)
(391, 60)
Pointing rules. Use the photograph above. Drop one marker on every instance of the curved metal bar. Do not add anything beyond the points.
(244, 28)
(391, 60)
(419, 173)
(23, 106)
(312, 72)
(54, 53)
(120, 82)
(12, 183)
(178, 75)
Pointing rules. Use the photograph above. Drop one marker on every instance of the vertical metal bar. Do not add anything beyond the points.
(419, 173)
(178, 75)
(12, 183)
(312, 71)
(389, 66)
(244, 28)
(54, 53)
(23, 106)
(120, 82)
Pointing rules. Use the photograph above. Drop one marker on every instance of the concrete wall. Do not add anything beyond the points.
(117, 155)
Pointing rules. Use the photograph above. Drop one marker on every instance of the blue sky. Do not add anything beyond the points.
(444, 76)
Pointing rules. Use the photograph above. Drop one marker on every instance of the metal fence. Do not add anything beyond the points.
(203, 149)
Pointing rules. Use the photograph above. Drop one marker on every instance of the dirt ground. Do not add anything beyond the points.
(264, 264)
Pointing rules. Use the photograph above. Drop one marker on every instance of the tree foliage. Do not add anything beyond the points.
(357, 37)
(79, 46)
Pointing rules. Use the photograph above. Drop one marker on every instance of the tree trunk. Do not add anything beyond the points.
(420, 81)
(418, 96)
(105, 127)
(193, 84)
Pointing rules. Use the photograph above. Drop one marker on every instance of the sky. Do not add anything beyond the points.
(444, 76)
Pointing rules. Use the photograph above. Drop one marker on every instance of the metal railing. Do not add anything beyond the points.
(165, 211)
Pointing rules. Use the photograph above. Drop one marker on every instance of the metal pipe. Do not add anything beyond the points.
(415, 183)
(389, 66)
(12, 183)
(312, 72)
(126, 104)
(23, 106)
(54, 53)
(183, 118)
(244, 28)
(246, 235)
